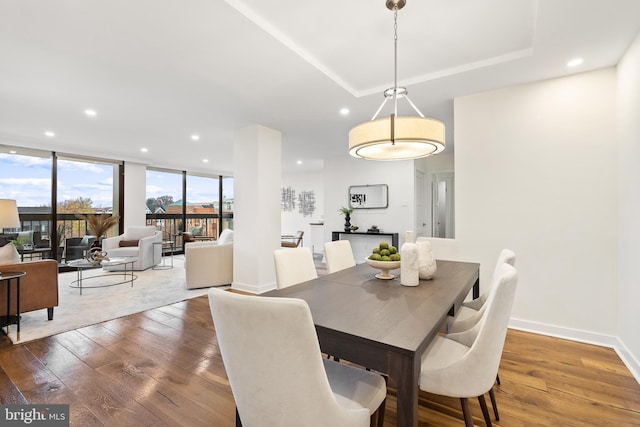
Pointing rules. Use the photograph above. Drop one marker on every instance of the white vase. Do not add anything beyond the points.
(428, 265)
(409, 262)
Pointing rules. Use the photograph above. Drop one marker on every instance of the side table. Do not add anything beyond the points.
(6, 277)
(163, 245)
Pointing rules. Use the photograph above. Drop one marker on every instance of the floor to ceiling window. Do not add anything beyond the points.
(47, 186)
(180, 202)
(25, 176)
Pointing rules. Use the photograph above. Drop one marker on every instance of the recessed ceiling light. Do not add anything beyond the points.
(575, 62)
(12, 151)
(195, 137)
(50, 134)
(344, 111)
(144, 149)
(205, 160)
(299, 162)
(90, 113)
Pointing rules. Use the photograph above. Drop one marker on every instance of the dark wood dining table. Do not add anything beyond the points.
(382, 325)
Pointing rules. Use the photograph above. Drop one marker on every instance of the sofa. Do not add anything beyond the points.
(209, 263)
(38, 289)
(136, 241)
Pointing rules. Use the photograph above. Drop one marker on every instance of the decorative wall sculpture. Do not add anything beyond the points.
(288, 201)
(306, 201)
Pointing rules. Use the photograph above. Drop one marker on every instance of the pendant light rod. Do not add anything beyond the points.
(397, 137)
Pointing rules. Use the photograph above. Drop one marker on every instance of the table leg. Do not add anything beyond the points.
(476, 289)
(405, 371)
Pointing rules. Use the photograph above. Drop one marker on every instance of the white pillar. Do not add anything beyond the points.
(256, 216)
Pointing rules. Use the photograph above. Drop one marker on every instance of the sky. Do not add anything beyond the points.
(27, 179)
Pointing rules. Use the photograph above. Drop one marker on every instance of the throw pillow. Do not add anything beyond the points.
(9, 255)
(128, 243)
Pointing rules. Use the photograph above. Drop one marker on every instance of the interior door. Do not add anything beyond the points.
(443, 205)
(422, 226)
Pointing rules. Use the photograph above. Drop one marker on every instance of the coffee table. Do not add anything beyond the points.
(82, 264)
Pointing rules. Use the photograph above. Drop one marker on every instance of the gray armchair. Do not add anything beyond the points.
(75, 247)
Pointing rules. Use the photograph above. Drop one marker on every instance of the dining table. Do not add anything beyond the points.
(383, 325)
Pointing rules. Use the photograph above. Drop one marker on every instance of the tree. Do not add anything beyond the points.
(155, 203)
(79, 205)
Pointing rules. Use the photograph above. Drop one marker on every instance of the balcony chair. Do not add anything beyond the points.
(294, 266)
(76, 247)
(209, 263)
(338, 255)
(136, 241)
(276, 371)
(465, 364)
(288, 241)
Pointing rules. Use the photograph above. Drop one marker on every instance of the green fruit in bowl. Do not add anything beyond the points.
(393, 249)
(385, 258)
(376, 257)
(376, 250)
(394, 257)
(384, 245)
(385, 252)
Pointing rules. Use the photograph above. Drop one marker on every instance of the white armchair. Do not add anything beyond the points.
(137, 241)
(209, 263)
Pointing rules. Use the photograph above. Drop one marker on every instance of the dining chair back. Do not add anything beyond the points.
(277, 374)
(465, 364)
(294, 266)
(338, 255)
(471, 311)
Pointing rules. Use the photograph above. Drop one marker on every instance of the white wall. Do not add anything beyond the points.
(292, 221)
(629, 205)
(135, 194)
(536, 171)
(344, 171)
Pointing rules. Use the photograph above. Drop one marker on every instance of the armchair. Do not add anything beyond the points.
(38, 289)
(75, 247)
(209, 263)
(137, 241)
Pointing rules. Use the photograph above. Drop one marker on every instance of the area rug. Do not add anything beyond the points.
(151, 289)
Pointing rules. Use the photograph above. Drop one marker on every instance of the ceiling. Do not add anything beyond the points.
(158, 71)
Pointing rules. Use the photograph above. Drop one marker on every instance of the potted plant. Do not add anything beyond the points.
(98, 225)
(347, 218)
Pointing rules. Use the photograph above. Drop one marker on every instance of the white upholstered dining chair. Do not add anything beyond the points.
(338, 255)
(471, 311)
(465, 364)
(276, 371)
(294, 266)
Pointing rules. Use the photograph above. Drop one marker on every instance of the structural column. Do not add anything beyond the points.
(256, 216)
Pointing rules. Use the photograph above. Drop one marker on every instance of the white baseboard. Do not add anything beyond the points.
(252, 288)
(587, 337)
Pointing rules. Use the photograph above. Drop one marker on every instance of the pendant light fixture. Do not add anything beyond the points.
(397, 137)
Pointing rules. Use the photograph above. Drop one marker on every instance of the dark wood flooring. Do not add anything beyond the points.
(163, 368)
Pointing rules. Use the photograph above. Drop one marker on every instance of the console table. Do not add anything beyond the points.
(335, 235)
(363, 242)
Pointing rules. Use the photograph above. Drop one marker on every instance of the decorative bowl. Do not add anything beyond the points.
(384, 267)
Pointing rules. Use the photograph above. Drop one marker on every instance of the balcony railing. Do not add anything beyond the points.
(204, 225)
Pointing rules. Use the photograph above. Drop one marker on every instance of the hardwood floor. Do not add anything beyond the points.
(163, 368)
